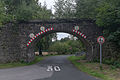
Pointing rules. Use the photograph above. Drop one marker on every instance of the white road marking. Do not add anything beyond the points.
(53, 68)
(56, 68)
(50, 68)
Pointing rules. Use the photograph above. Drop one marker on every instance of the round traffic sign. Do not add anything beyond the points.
(100, 39)
(31, 35)
(42, 28)
(77, 28)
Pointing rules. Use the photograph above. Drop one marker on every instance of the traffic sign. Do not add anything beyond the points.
(100, 39)
(42, 28)
(31, 35)
(77, 28)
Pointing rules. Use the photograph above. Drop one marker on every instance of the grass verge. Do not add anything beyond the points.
(19, 64)
(93, 69)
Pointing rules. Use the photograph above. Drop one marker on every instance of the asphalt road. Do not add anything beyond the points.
(51, 68)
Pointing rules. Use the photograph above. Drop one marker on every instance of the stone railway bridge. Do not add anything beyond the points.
(17, 45)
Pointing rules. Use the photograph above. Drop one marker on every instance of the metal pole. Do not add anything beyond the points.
(100, 54)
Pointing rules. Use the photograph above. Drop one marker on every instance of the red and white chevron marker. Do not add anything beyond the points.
(38, 34)
(79, 33)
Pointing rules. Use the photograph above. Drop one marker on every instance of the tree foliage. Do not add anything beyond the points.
(44, 43)
(67, 46)
(108, 17)
(4, 17)
(64, 8)
(2, 12)
(23, 10)
(86, 8)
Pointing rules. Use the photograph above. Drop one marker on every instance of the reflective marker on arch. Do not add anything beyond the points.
(85, 37)
(81, 34)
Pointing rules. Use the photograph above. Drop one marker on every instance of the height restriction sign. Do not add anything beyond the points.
(100, 39)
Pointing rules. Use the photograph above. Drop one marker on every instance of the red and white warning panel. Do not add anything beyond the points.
(79, 33)
(30, 41)
(50, 29)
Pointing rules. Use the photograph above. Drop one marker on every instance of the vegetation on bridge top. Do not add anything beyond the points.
(59, 20)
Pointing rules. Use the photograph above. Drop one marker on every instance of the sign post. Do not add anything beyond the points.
(100, 54)
(100, 40)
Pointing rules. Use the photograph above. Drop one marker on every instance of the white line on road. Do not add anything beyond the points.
(49, 68)
(55, 68)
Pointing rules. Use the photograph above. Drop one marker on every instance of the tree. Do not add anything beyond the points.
(64, 9)
(69, 10)
(54, 36)
(67, 46)
(65, 39)
(108, 16)
(4, 17)
(42, 12)
(61, 48)
(87, 8)
(23, 10)
(59, 8)
(45, 42)
(2, 12)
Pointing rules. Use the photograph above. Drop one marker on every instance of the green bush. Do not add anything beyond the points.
(109, 62)
(116, 64)
(113, 63)
(66, 47)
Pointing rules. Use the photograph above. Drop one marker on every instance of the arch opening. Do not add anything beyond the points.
(81, 36)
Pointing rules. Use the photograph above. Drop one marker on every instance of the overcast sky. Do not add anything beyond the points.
(50, 4)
